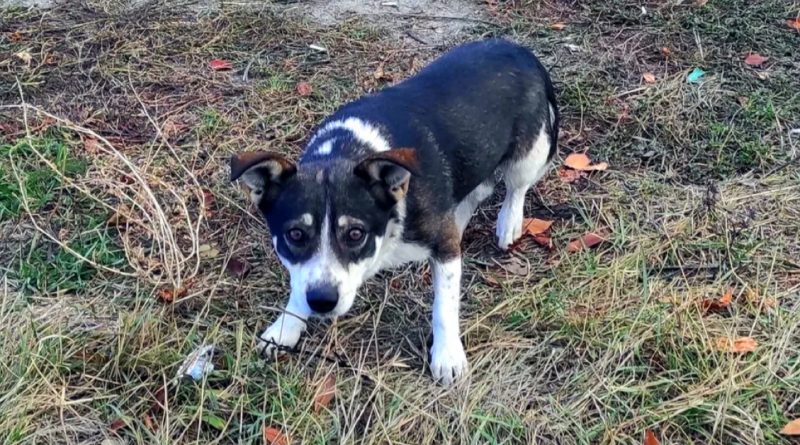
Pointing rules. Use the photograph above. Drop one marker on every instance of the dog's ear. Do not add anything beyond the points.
(263, 173)
(388, 173)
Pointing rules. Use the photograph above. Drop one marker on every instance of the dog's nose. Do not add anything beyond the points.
(323, 298)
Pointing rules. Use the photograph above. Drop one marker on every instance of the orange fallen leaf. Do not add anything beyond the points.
(558, 26)
(579, 161)
(590, 239)
(91, 146)
(148, 422)
(116, 425)
(650, 438)
(755, 59)
(794, 23)
(304, 89)
(543, 240)
(792, 428)
(168, 294)
(741, 344)
(15, 36)
(666, 52)
(569, 175)
(325, 393)
(274, 436)
(220, 65)
(649, 77)
(714, 305)
(535, 226)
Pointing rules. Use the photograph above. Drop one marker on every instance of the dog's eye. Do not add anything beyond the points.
(355, 235)
(295, 236)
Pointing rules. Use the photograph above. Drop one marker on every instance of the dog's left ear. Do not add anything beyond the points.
(388, 173)
(263, 173)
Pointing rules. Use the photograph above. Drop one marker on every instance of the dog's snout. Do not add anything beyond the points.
(322, 298)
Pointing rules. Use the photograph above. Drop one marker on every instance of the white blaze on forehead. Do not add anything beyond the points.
(362, 130)
(342, 221)
(307, 219)
(326, 147)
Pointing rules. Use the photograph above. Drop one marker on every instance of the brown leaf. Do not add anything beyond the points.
(168, 295)
(650, 438)
(15, 36)
(491, 280)
(304, 89)
(716, 305)
(590, 239)
(535, 226)
(544, 241)
(220, 65)
(238, 268)
(755, 59)
(325, 393)
(794, 23)
(569, 175)
(91, 146)
(741, 344)
(649, 77)
(116, 425)
(208, 202)
(558, 26)
(274, 436)
(516, 266)
(380, 73)
(148, 422)
(792, 428)
(579, 161)
(666, 52)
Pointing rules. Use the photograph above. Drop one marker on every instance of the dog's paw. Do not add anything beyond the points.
(281, 334)
(448, 360)
(508, 232)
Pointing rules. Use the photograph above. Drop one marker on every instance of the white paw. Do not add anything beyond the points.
(448, 360)
(509, 229)
(284, 333)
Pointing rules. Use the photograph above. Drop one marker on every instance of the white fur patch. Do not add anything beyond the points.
(361, 129)
(519, 177)
(326, 147)
(307, 219)
(448, 360)
(466, 208)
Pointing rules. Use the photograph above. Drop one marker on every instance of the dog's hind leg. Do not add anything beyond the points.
(519, 175)
(466, 208)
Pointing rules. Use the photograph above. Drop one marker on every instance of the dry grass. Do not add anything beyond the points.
(113, 191)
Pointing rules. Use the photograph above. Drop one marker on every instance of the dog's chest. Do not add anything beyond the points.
(396, 252)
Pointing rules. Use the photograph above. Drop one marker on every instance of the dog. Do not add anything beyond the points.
(395, 176)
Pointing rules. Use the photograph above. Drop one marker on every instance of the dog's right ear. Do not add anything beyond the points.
(263, 173)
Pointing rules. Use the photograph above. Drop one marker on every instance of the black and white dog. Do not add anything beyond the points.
(395, 177)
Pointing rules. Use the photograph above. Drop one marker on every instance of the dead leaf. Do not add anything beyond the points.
(666, 52)
(716, 305)
(649, 77)
(15, 36)
(535, 226)
(25, 56)
(91, 146)
(116, 425)
(544, 241)
(755, 59)
(325, 393)
(168, 295)
(792, 428)
(579, 161)
(220, 65)
(238, 268)
(148, 422)
(304, 89)
(650, 438)
(208, 203)
(590, 239)
(380, 73)
(207, 251)
(558, 26)
(794, 23)
(569, 175)
(516, 266)
(274, 436)
(757, 300)
(741, 344)
(51, 59)
(491, 280)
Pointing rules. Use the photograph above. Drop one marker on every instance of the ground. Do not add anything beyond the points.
(125, 248)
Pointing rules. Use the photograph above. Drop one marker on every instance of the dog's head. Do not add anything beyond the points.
(328, 219)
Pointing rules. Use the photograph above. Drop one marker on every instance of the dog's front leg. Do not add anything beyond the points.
(286, 330)
(448, 360)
